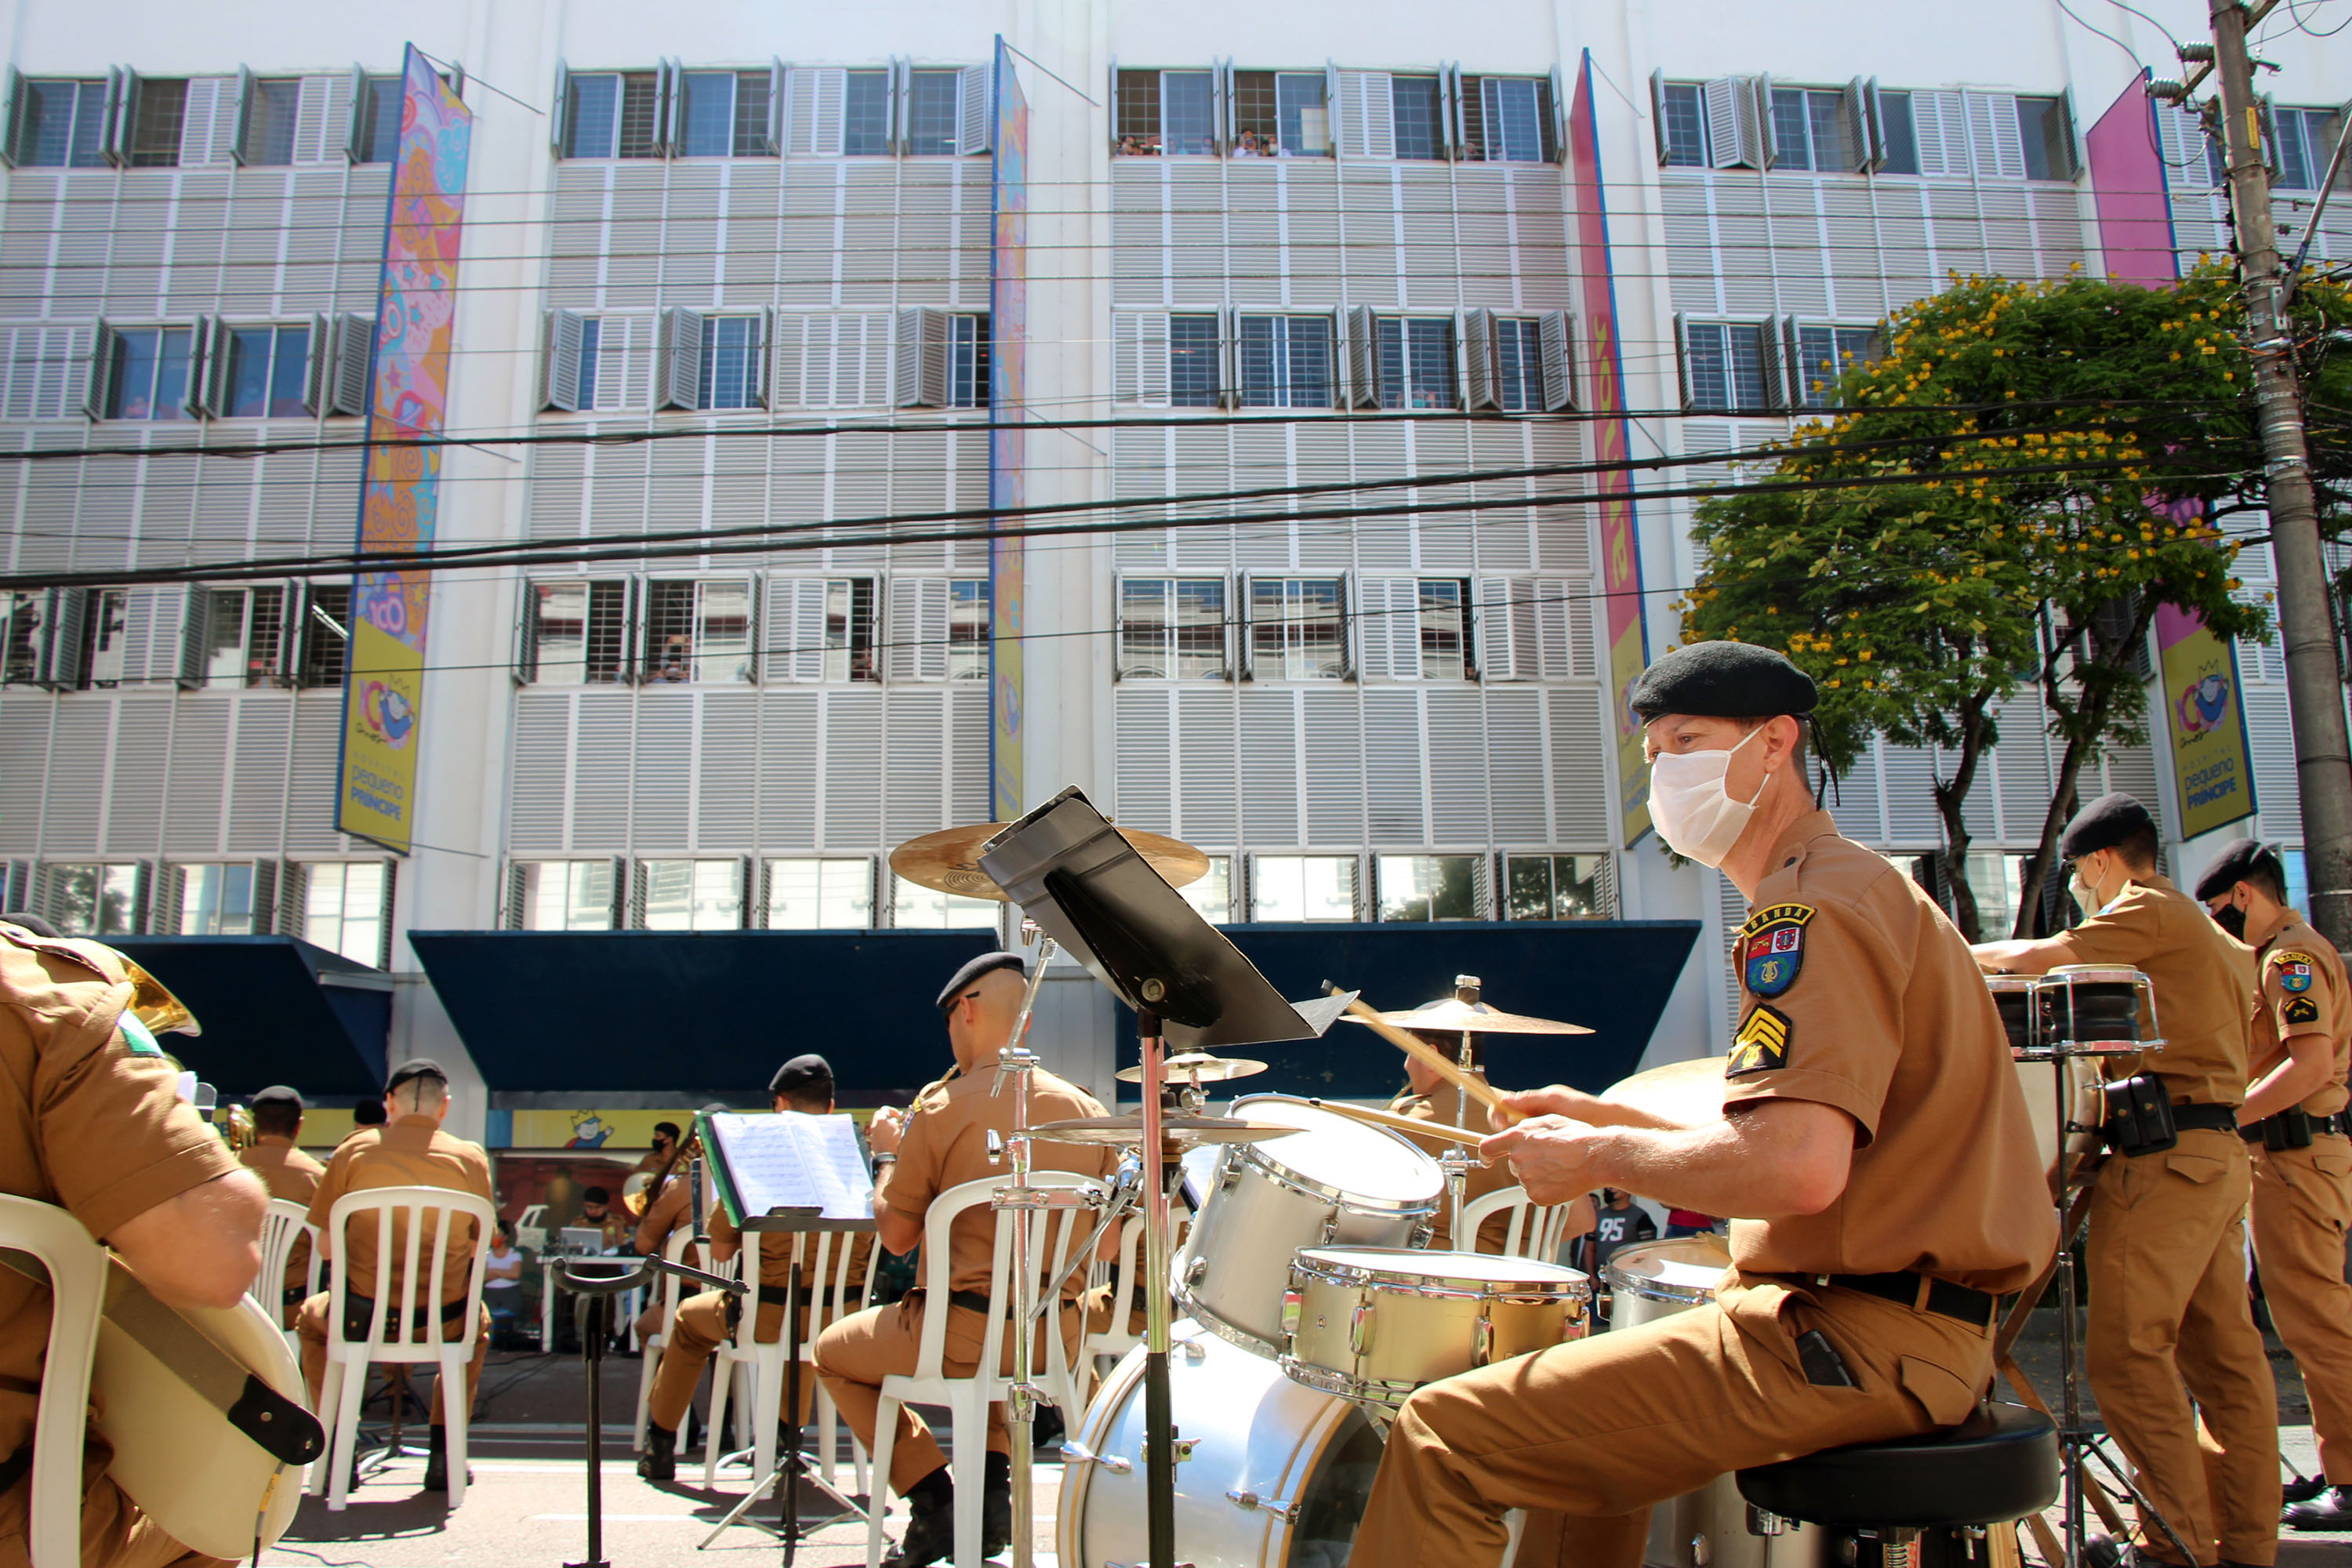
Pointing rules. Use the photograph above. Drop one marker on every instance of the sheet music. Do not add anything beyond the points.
(789, 1160)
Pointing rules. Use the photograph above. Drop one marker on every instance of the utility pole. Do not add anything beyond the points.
(2323, 757)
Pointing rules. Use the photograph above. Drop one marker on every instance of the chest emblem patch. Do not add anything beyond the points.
(1762, 1043)
(2294, 971)
(2302, 1010)
(1771, 948)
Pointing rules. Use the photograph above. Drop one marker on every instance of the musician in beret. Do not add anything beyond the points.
(1872, 1148)
(291, 1175)
(2167, 1255)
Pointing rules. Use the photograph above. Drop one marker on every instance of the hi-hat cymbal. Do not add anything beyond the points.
(1183, 1132)
(948, 861)
(1197, 1066)
(1445, 1132)
(1452, 1016)
(1688, 1094)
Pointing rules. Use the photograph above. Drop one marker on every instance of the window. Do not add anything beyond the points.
(215, 900)
(1997, 882)
(968, 366)
(849, 629)
(1507, 120)
(2048, 132)
(237, 641)
(347, 909)
(967, 629)
(2305, 142)
(699, 631)
(375, 138)
(1286, 361)
(591, 343)
(1825, 353)
(577, 633)
(564, 895)
(1192, 362)
(690, 894)
(942, 359)
(1519, 364)
(326, 634)
(1167, 111)
(1430, 887)
(1281, 113)
(98, 900)
(1555, 887)
(1298, 629)
(725, 115)
(914, 907)
(1171, 628)
(613, 115)
(59, 124)
(261, 376)
(1212, 894)
(147, 375)
(730, 363)
(26, 641)
(1725, 368)
(1810, 130)
(1444, 622)
(1897, 140)
(865, 120)
(1303, 888)
(105, 662)
(1681, 126)
(1417, 363)
(820, 895)
(269, 116)
(934, 104)
(1418, 107)
(158, 110)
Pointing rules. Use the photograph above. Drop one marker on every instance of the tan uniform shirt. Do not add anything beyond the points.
(293, 1176)
(2204, 983)
(945, 1145)
(91, 1120)
(2304, 993)
(410, 1151)
(1855, 992)
(671, 1209)
(1482, 1179)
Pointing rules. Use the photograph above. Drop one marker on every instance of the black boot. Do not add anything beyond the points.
(2331, 1510)
(996, 1505)
(2302, 1488)
(930, 1527)
(659, 1461)
(436, 1461)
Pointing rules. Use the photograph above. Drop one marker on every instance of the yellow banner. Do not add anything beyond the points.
(2213, 765)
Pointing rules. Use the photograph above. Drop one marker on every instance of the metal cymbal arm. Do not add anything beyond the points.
(1021, 1399)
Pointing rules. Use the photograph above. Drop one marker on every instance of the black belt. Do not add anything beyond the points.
(359, 1311)
(2194, 1116)
(977, 1303)
(1975, 1307)
(2340, 1123)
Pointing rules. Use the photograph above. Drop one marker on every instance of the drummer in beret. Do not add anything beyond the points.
(969, 976)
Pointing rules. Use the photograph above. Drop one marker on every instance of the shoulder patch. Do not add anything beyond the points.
(2301, 1010)
(1771, 948)
(2294, 970)
(1761, 1045)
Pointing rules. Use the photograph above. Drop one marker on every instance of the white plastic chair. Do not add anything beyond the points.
(287, 1223)
(674, 1251)
(828, 1419)
(1114, 1340)
(77, 1267)
(401, 1215)
(1536, 1230)
(826, 1255)
(1052, 1232)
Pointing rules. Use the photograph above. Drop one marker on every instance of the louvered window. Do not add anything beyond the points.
(575, 633)
(1431, 886)
(935, 111)
(1826, 352)
(375, 128)
(325, 635)
(214, 900)
(866, 116)
(690, 894)
(1899, 141)
(147, 371)
(2047, 131)
(1192, 352)
(1557, 887)
(968, 361)
(732, 362)
(1444, 628)
(1518, 365)
(1282, 114)
(158, 112)
(1286, 361)
(106, 662)
(614, 114)
(1173, 628)
(268, 115)
(2304, 142)
(1419, 109)
(235, 639)
(260, 373)
(60, 125)
(725, 114)
(1507, 120)
(1729, 367)
(1681, 125)
(819, 895)
(1212, 894)
(347, 908)
(98, 900)
(914, 907)
(942, 359)
(1417, 363)
(1297, 628)
(1303, 888)
(565, 895)
(1810, 130)
(700, 631)
(1167, 111)
(967, 629)
(26, 638)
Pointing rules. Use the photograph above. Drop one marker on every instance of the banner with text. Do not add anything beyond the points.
(384, 681)
(1603, 379)
(1008, 483)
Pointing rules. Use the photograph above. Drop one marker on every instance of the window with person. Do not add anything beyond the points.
(1282, 114)
(1416, 362)
(697, 631)
(1167, 112)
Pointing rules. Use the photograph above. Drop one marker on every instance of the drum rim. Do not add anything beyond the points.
(1315, 1263)
(1257, 1154)
(1232, 1333)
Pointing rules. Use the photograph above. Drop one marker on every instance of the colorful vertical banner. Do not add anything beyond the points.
(416, 305)
(1603, 380)
(2128, 191)
(1008, 481)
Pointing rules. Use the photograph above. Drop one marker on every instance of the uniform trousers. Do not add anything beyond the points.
(310, 1328)
(858, 1352)
(1598, 1429)
(2303, 1205)
(114, 1533)
(700, 1329)
(2169, 1323)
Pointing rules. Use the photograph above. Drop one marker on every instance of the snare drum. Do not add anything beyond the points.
(2095, 1009)
(1372, 1324)
(1334, 1180)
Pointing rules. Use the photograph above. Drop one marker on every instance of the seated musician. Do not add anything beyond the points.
(1428, 1097)
(942, 1142)
(409, 1151)
(704, 1322)
(1873, 1144)
(91, 1122)
(291, 1175)
(669, 1208)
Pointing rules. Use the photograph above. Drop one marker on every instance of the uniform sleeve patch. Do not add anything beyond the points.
(1773, 951)
(2302, 1010)
(1762, 1043)
(2294, 971)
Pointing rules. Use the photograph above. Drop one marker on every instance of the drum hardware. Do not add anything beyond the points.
(1079, 1454)
(1282, 1510)
(1430, 1057)
(1456, 1164)
(1177, 1132)
(1015, 1061)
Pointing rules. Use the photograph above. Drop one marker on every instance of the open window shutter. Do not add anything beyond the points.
(2073, 148)
(1138, 358)
(1559, 107)
(1776, 394)
(1857, 112)
(1336, 116)
(525, 666)
(510, 911)
(1368, 121)
(2266, 109)
(59, 666)
(678, 360)
(1555, 339)
(316, 359)
(384, 913)
(123, 115)
(1768, 145)
(355, 122)
(218, 342)
(243, 123)
(775, 140)
(1730, 122)
(293, 899)
(202, 354)
(354, 337)
(932, 368)
(560, 378)
(1658, 115)
(764, 328)
(1229, 359)
(902, 113)
(171, 898)
(98, 392)
(816, 108)
(1801, 374)
(265, 898)
(1363, 358)
(12, 120)
(906, 375)
(557, 115)
(1223, 117)
(1111, 97)
(1875, 127)
(979, 117)
(1478, 358)
(1683, 357)
(669, 90)
(293, 605)
(1449, 92)
(196, 634)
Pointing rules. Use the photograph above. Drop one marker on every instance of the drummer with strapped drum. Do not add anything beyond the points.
(1873, 1147)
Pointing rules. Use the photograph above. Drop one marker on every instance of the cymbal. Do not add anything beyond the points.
(1688, 1094)
(1450, 1015)
(1182, 1131)
(948, 861)
(1198, 1067)
(1445, 1132)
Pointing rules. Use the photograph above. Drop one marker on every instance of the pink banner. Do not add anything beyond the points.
(2127, 188)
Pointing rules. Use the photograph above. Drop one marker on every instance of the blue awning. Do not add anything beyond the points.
(274, 1009)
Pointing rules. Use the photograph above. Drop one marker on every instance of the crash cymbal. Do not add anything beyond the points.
(1198, 1067)
(1410, 1126)
(1450, 1015)
(1183, 1132)
(948, 861)
(1688, 1094)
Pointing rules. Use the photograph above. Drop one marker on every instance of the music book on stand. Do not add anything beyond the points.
(788, 1171)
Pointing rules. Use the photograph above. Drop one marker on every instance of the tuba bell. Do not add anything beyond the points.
(152, 1003)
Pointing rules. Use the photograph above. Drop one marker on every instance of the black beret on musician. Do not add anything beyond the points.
(802, 1073)
(986, 964)
(2240, 858)
(2103, 824)
(1723, 680)
(278, 1094)
(415, 1067)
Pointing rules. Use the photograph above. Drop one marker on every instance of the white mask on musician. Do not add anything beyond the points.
(1693, 811)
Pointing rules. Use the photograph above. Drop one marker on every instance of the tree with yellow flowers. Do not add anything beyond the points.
(1978, 514)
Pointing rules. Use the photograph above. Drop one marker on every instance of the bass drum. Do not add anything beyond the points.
(1255, 1434)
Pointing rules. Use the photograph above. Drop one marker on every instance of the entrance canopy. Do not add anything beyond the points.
(274, 1009)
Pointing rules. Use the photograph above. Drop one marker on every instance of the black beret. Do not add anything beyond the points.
(2240, 858)
(1723, 680)
(2102, 824)
(415, 1067)
(986, 964)
(30, 921)
(802, 1073)
(278, 1094)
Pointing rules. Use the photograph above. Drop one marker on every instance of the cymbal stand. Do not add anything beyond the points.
(1455, 1164)
(1020, 1201)
(1159, 1404)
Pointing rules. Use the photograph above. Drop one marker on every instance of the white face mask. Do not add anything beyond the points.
(2086, 897)
(1691, 809)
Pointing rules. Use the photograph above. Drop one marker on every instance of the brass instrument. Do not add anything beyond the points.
(635, 1203)
(235, 1124)
(153, 1005)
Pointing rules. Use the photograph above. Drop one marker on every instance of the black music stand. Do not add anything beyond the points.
(1085, 887)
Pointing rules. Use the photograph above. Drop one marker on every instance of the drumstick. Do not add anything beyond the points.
(1429, 1056)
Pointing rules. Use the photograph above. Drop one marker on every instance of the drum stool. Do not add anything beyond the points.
(1999, 1464)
